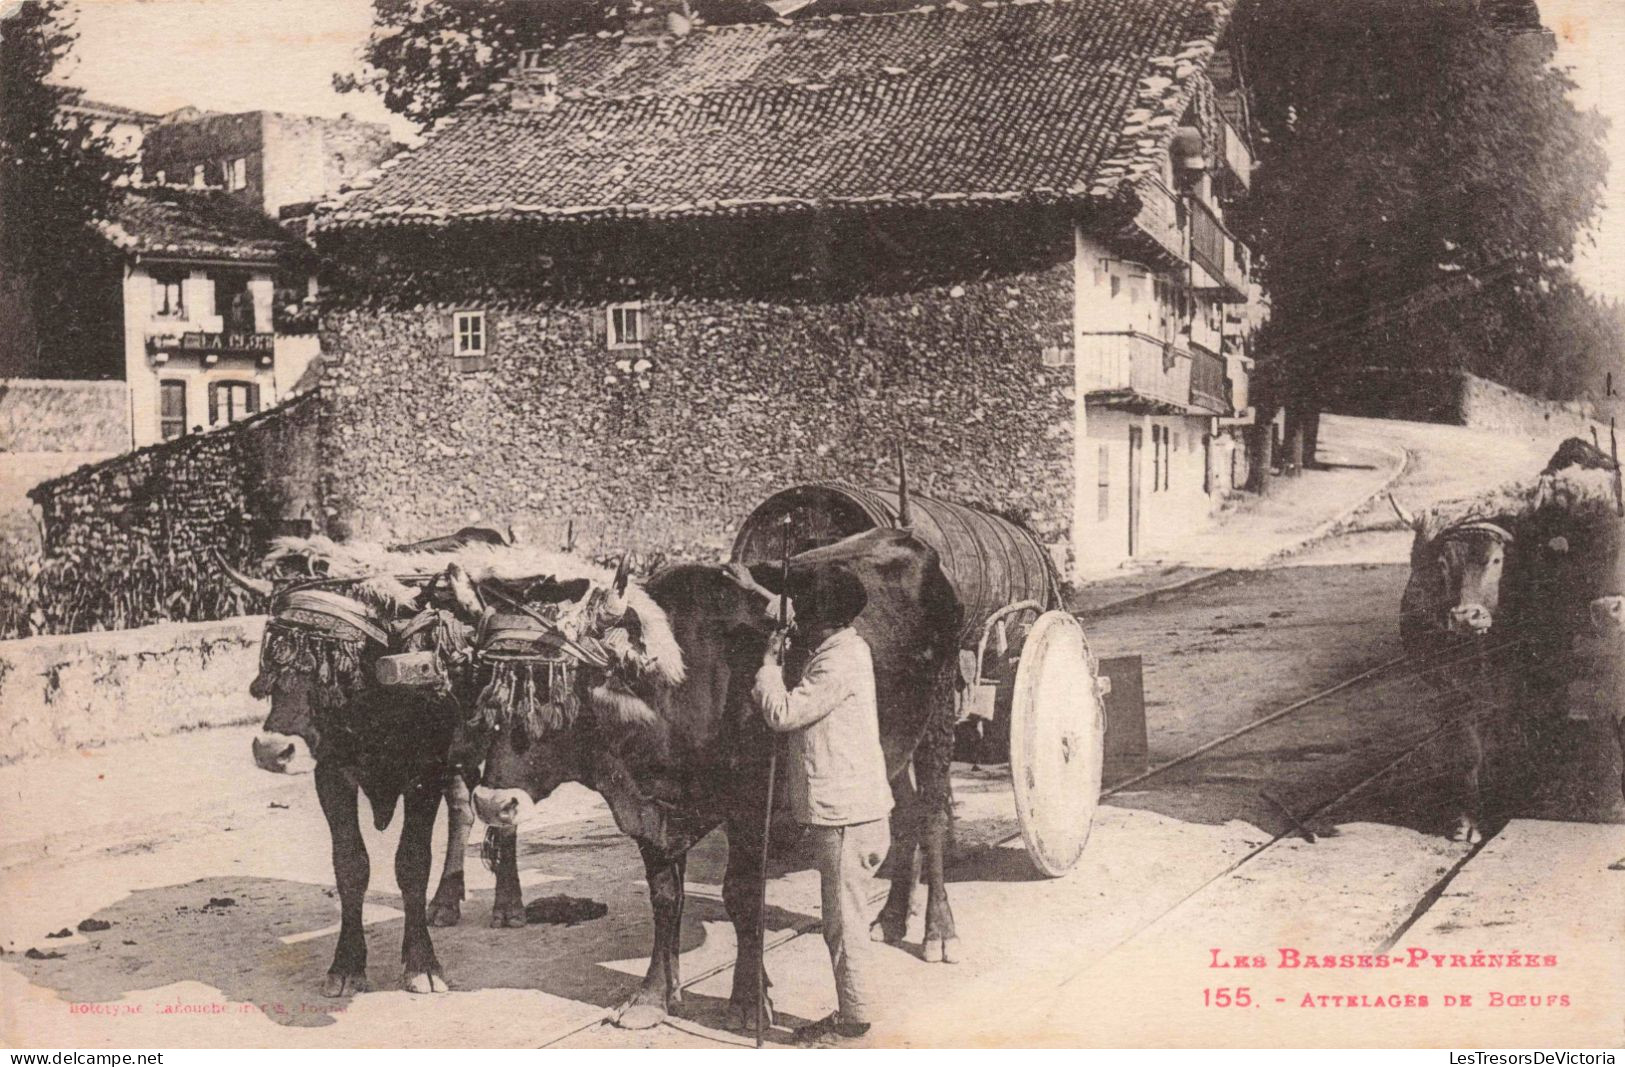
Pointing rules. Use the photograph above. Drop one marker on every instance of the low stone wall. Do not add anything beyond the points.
(1487, 405)
(84, 690)
(1458, 398)
(61, 415)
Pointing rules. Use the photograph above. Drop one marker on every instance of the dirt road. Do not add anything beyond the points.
(221, 924)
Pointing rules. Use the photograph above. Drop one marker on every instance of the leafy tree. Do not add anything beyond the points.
(1424, 176)
(426, 56)
(56, 176)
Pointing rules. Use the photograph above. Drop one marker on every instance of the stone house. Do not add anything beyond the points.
(661, 273)
(188, 315)
(264, 158)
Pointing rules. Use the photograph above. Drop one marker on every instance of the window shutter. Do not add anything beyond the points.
(651, 323)
(445, 332)
(253, 397)
(598, 326)
(214, 402)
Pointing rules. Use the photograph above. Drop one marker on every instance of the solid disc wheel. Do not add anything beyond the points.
(1057, 742)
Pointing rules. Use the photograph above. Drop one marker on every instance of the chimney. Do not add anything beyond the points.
(535, 82)
(658, 22)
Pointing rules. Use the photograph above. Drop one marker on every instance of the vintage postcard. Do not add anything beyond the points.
(825, 523)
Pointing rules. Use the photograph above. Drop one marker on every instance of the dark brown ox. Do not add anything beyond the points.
(1448, 623)
(392, 746)
(696, 757)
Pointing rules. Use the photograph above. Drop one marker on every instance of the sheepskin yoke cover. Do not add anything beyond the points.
(524, 671)
(1579, 491)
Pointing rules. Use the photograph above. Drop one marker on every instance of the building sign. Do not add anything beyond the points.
(199, 341)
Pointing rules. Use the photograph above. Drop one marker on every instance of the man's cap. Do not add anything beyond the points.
(829, 596)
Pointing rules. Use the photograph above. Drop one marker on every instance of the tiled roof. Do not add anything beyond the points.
(168, 221)
(1042, 100)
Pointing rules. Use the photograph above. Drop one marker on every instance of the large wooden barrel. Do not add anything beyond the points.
(990, 561)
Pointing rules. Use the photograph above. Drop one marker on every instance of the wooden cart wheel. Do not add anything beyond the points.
(1057, 742)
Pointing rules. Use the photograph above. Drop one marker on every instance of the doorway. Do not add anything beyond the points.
(1136, 443)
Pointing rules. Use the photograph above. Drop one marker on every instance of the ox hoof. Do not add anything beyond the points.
(507, 916)
(424, 982)
(640, 1016)
(883, 931)
(445, 914)
(1467, 830)
(340, 984)
(941, 950)
(742, 1017)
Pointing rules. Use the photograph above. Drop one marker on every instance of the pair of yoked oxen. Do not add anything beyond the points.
(1511, 597)
(675, 748)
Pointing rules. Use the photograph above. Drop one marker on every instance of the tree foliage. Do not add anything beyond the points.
(57, 175)
(426, 56)
(1424, 177)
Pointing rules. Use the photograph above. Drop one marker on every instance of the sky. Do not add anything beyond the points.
(280, 55)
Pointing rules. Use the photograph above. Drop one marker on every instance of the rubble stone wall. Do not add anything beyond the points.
(130, 541)
(667, 447)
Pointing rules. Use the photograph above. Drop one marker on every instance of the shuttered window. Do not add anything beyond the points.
(469, 337)
(231, 401)
(171, 409)
(1103, 483)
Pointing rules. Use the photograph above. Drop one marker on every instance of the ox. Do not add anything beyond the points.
(675, 762)
(1448, 614)
(387, 745)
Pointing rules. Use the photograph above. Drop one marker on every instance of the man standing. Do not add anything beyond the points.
(836, 774)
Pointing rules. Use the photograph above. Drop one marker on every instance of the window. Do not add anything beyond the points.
(198, 180)
(532, 59)
(233, 302)
(625, 325)
(1167, 458)
(470, 333)
(1156, 459)
(1103, 483)
(168, 296)
(160, 178)
(231, 401)
(171, 409)
(236, 173)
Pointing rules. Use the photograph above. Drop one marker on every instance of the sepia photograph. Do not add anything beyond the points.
(842, 524)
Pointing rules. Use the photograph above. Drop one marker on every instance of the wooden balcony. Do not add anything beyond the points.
(1220, 255)
(1209, 387)
(1158, 220)
(1135, 371)
(1235, 157)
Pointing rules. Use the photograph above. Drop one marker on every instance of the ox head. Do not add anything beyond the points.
(316, 658)
(1464, 567)
(719, 619)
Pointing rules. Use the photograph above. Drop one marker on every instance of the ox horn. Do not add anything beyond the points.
(257, 586)
(615, 603)
(464, 591)
(1408, 520)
